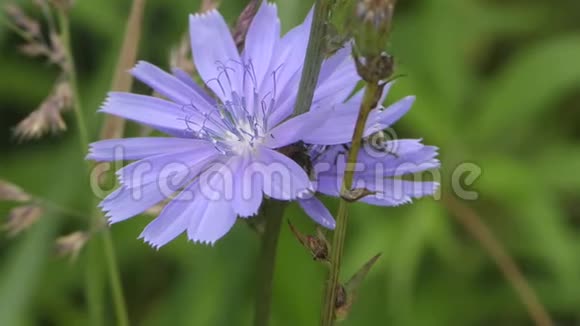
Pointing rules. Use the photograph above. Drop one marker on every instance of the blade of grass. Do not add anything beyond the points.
(475, 226)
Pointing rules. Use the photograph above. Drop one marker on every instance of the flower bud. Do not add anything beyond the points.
(373, 25)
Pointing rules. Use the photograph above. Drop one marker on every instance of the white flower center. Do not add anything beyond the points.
(239, 124)
(231, 126)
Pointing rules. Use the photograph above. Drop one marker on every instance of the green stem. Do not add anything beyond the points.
(94, 284)
(71, 71)
(116, 286)
(314, 56)
(369, 101)
(272, 212)
(107, 243)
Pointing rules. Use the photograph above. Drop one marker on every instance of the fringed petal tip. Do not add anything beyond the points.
(108, 105)
(138, 66)
(205, 14)
(108, 101)
(430, 190)
(409, 199)
(203, 242)
(158, 246)
(433, 164)
(95, 153)
(91, 154)
(109, 218)
(246, 216)
(149, 242)
(152, 242)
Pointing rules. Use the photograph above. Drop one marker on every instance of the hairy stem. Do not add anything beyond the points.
(314, 56)
(114, 127)
(371, 95)
(92, 278)
(272, 211)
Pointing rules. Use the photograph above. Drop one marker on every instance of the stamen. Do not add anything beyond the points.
(223, 69)
(219, 83)
(252, 72)
(238, 122)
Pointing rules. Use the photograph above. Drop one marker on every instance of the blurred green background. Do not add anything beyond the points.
(497, 84)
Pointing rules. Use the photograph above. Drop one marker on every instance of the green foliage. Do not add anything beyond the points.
(497, 85)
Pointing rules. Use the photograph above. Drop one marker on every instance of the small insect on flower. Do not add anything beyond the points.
(298, 152)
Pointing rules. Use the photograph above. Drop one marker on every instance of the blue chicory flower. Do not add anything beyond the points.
(382, 163)
(222, 156)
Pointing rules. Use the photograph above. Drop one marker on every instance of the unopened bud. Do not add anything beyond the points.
(375, 12)
(21, 218)
(375, 68)
(371, 30)
(72, 244)
(11, 192)
(374, 19)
